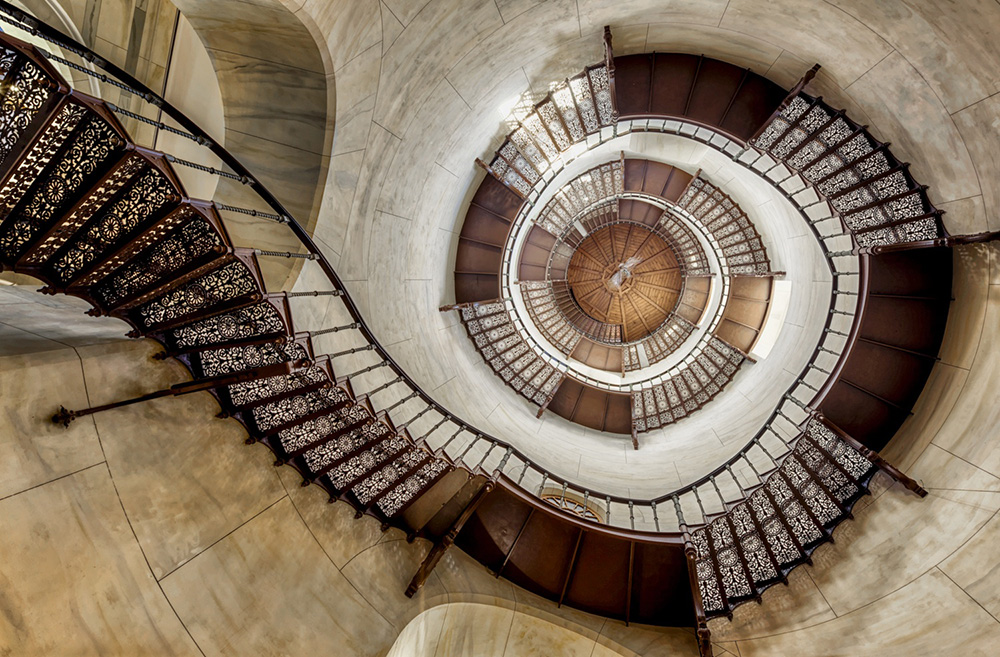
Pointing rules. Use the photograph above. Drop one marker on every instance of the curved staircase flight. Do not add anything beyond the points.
(93, 215)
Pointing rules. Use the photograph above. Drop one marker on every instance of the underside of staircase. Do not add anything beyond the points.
(91, 214)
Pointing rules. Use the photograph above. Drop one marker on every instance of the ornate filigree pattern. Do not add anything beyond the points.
(135, 206)
(309, 432)
(95, 200)
(690, 255)
(326, 454)
(744, 252)
(43, 197)
(284, 411)
(367, 460)
(668, 338)
(381, 480)
(194, 240)
(414, 485)
(686, 388)
(857, 174)
(244, 323)
(601, 86)
(229, 360)
(496, 338)
(760, 539)
(605, 181)
(224, 284)
(545, 315)
(26, 90)
(258, 390)
(572, 110)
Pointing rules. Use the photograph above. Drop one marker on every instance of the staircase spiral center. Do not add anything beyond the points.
(628, 275)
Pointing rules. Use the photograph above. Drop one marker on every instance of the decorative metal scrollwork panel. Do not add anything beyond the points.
(34, 201)
(878, 200)
(26, 88)
(241, 324)
(687, 388)
(135, 206)
(224, 284)
(194, 240)
(414, 485)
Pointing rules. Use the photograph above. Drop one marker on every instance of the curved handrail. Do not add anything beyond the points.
(126, 81)
(59, 39)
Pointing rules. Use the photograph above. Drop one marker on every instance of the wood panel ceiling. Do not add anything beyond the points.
(625, 274)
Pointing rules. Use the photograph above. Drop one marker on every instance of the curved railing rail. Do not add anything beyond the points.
(491, 456)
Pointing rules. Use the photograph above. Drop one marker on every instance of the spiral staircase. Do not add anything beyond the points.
(93, 215)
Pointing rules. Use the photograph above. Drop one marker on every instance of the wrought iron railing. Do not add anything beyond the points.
(461, 442)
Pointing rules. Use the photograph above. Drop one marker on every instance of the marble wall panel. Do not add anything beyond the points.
(422, 635)
(196, 93)
(784, 609)
(348, 26)
(511, 9)
(931, 616)
(296, 119)
(338, 195)
(391, 28)
(965, 216)
(970, 291)
(979, 126)
(14, 341)
(334, 526)
(909, 114)
(475, 630)
(947, 43)
(503, 51)
(74, 579)
(467, 580)
(482, 136)
(813, 31)
(644, 640)
(557, 64)
(533, 637)
(185, 479)
(353, 263)
(437, 38)
(937, 400)
(263, 29)
(389, 239)
(429, 372)
(382, 573)
(924, 532)
(237, 597)
(976, 567)
(595, 14)
(35, 449)
(413, 161)
(406, 10)
(35, 322)
(970, 432)
(357, 85)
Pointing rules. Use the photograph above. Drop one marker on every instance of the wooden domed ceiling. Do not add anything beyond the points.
(627, 275)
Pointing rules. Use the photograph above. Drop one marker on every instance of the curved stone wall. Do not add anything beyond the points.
(146, 530)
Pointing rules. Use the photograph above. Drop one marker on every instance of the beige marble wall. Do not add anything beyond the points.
(153, 530)
(911, 576)
(462, 628)
(922, 74)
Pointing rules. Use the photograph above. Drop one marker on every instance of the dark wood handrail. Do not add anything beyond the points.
(67, 43)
